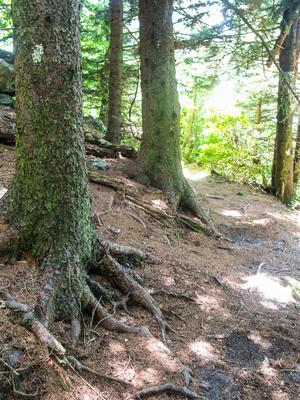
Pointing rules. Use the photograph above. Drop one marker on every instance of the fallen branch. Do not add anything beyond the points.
(101, 148)
(212, 196)
(166, 388)
(94, 146)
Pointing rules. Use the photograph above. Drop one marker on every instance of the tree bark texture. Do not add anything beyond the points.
(297, 157)
(50, 199)
(159, 161)
(115, 72)
(282, 173)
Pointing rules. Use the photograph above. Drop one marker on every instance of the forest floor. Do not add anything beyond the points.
(234, 306)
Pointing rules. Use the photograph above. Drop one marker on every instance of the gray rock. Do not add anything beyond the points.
(6, 100)
(7, 77)
(100, 164)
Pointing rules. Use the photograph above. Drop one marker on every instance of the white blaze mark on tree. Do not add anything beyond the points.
(37, 53)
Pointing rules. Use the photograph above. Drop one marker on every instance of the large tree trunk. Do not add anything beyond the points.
(50, 199)
(159, 161)
(115, 72)
(282, 173)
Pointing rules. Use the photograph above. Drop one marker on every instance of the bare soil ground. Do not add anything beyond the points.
(234, 306)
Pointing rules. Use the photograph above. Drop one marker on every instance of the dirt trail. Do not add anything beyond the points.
(234, 305)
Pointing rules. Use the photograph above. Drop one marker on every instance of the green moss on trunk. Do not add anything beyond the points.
(283, 164)
(50, 199)
(159, 160)
(115, 72)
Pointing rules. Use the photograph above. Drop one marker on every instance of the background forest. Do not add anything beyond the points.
(228, 93)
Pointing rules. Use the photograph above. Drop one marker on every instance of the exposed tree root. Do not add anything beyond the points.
(128, 285)
(167, 388)
(98, 290)
(122, 303)
(188, 201)
(36, 319)
(31, 322)
(202, 224)
(109, 322)
(123, 251)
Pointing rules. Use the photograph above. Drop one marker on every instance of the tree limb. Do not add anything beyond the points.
(264, 43)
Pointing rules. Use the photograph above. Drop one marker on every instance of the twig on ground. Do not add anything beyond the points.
(212, 196)
(80, 367)
(166, 388)
(259, 268)
(219, 246)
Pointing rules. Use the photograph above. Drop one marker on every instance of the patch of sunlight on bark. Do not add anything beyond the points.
(194, 173)
(204, 350)
(271, 288)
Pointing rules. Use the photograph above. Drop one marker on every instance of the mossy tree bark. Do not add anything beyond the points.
(297, 157)
(115, 72)
(159, 160)
(297, 146)
(50, 200)
(283, 164)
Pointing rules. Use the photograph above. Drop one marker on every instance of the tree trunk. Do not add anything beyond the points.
(115, 75)
(297, 157)
(50, 199)
(258, 114)
(282, 173)
(159, 161)
(297, 146)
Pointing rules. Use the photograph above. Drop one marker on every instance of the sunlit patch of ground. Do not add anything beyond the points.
(271, 288)
(204, 350)
(232, 213)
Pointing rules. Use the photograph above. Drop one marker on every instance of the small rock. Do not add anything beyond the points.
(100, 164)
(6, 100)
